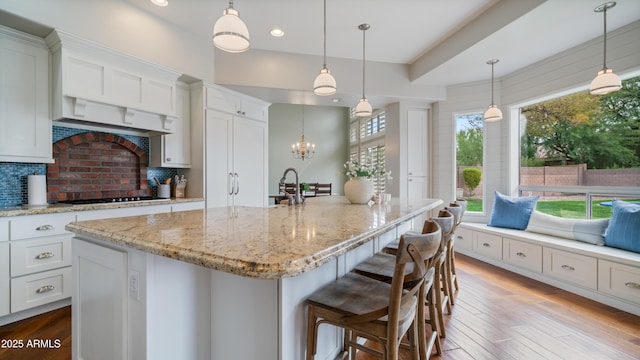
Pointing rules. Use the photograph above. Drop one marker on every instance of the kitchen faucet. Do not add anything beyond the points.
(298, 198)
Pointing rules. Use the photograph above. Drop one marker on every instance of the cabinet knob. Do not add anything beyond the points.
(632, 285)
(486, 244)
(241, 112)
(568, 267)
(44, 227)
(168, 159)
(521, 254)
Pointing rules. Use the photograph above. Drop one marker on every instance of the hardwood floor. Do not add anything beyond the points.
(497, 315)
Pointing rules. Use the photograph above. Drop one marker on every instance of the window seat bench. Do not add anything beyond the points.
(604, 274)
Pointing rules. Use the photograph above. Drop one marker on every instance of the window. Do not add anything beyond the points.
(367, 141)
(580, 151)
(469, 159)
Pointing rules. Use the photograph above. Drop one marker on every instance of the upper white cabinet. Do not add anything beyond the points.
(174, 150)
(229, 149)
(98, 85)
(25, 126)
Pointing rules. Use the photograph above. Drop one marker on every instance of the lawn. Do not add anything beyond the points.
(574, 209)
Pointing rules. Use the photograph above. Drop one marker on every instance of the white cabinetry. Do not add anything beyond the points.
(25, 125)
(95, 84)
(230, 156)
(174, 150)
(5, 274)
(571, 267)
(417, 154)
(40, 256)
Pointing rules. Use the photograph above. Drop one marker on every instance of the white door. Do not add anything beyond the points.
(417, 154)
(99, 302)
(218, 157)
(249, 161)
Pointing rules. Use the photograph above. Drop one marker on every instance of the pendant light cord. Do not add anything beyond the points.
(492, 102)
(364, 29)
(324, 59)
(604, 61)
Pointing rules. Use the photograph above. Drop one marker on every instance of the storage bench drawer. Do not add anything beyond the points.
(619, 280)
(488, 245)
(463, 239)
(522, 254)
(34, 226)
(41, 288)
(575, 268)
(31, 256)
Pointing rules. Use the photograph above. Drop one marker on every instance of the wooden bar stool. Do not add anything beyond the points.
(376, 310)
(458, 210)
(380, 267)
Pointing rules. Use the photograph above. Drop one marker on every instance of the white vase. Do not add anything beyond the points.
(358, 190)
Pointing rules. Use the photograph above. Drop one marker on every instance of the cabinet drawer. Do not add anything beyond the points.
(522, 254)
(488, 245)
(39, 289)
(619, 280)
(34, 226)
(41, 254)
(464, 238)
(578, 269)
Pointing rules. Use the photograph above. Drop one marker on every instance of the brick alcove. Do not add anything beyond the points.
(95, 165)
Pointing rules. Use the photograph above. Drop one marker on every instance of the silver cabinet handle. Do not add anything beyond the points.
(168, 159)
(521, 254)
(632, 285)
(45, 289)
(460, 237)
(44, 227)
(486, 244)
(44, 255)
(241, 112)
(568, 267)
(237, 183)
(230, 183)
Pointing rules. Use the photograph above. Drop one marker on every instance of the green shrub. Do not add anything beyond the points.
(472, 177)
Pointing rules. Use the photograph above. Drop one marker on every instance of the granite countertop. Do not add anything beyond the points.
(269, 243)
(61, 208)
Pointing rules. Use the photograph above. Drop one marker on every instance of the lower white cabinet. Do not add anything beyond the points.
(40, 288)
(522, 254)
(571, 267)
(619, 280)
(31, 256)
(99, 297)
(464, 239)
(5, 280)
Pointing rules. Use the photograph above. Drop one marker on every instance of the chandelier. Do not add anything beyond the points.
(301, 149)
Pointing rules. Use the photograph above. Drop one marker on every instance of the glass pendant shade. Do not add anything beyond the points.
(492, 114)
(230, 33)
(363, 109)
(605, 82)
(325, 83)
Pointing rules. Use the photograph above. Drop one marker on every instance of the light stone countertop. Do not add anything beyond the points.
(269, 243)
(7, 211)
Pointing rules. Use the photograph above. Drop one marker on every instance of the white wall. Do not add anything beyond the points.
(325, 126)
(125, 28)
(571, 70)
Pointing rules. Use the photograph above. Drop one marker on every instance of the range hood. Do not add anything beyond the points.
(97, 86)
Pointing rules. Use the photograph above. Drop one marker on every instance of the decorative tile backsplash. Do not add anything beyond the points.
(13, 176)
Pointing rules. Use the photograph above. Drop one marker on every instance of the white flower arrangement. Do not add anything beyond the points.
(354, 169)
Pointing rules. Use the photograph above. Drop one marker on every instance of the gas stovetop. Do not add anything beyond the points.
(116, 200)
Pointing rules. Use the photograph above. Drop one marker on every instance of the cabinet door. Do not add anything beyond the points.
(5, 280)
(99, 302)
(218, 150)
(25, 128)
(174, 150)
(249, 161)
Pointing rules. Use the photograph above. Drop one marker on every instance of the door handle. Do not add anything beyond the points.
(237, 183)
(230, 183)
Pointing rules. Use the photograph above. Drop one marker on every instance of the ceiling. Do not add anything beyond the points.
(408, 31)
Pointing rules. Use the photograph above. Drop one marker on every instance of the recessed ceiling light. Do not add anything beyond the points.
(162, 3)
(335, 100)
(277, 32)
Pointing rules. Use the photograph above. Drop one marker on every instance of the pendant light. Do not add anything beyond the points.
(363, 109)
(230, 33)
(606, 81)
(325, 83)
(493, 113)
(303, 150)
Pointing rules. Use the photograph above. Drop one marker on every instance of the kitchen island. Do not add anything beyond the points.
(220, 283)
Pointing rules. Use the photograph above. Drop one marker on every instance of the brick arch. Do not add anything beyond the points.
(96, 165)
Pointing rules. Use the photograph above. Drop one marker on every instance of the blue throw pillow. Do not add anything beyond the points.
(623, 231)
(512, 213)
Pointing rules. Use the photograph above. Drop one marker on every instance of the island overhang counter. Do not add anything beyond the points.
(220, 283)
